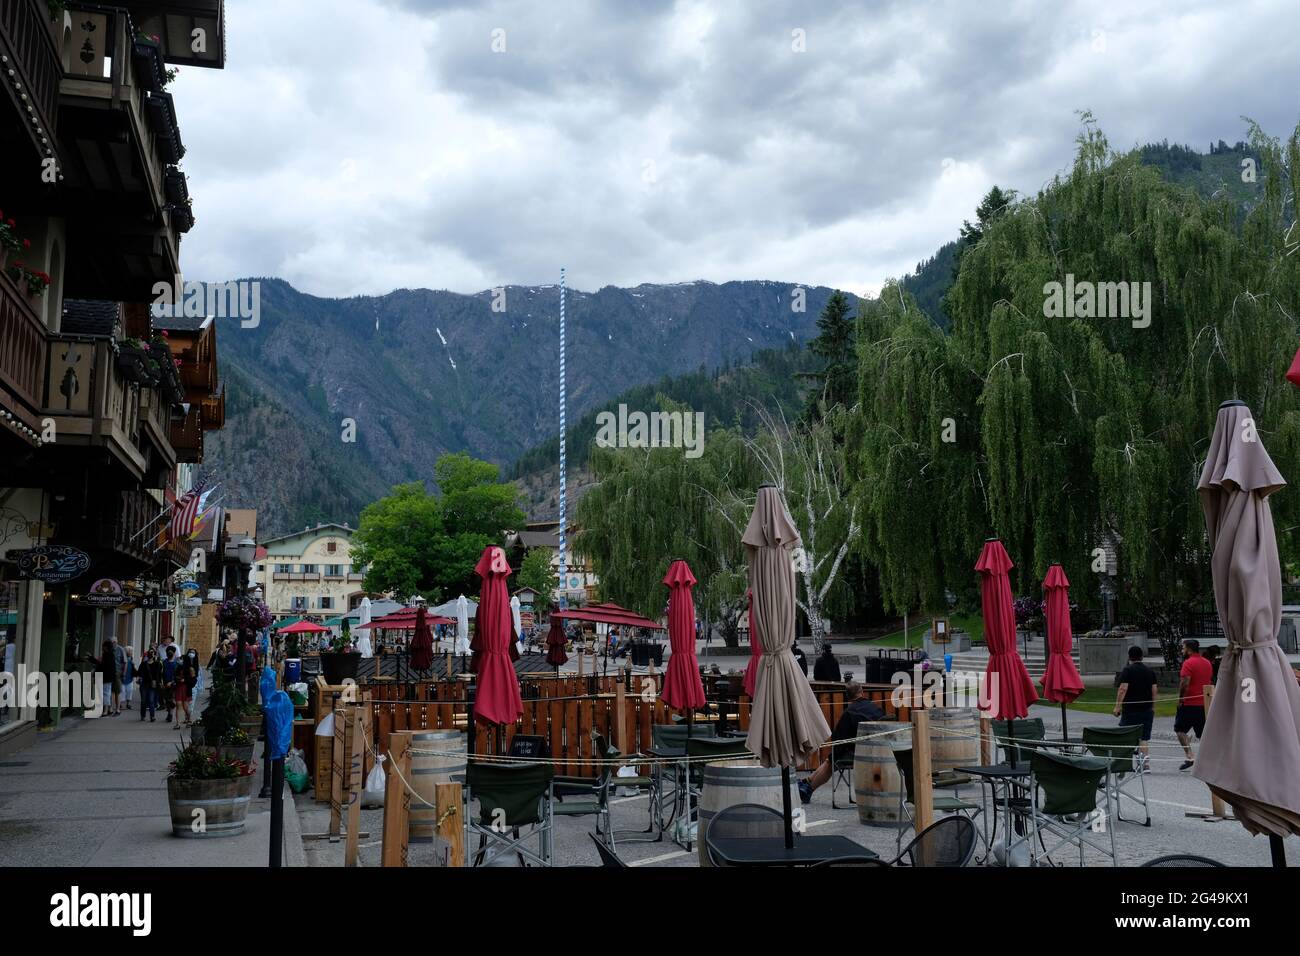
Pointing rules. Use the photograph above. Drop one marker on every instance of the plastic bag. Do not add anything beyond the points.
(326, 727)
(626, 791)
(298, 782)
(295, 762)
(376, 783)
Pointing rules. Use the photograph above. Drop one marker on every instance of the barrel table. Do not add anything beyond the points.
(447, 765)
(876, 780)
(954, 738)
(728, 783)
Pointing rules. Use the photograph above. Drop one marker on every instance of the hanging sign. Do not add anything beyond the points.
(105, 593)
(52, 563)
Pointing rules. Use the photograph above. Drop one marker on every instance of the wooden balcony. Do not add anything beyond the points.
(174, 23)
(33, 60)
(213, 412)
(187, 436)
(155, 423)
(23, 350)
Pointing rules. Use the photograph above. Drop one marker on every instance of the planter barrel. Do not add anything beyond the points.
(728, 783)
(242, 752)
(205, 809)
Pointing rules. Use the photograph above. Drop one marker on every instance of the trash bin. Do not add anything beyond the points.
(292, 670)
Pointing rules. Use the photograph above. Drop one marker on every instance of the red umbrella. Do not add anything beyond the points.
(422, 643)
(1009, 682)
(555, 641)
(304, 627)
(683, 688)
(498, 699)
(755, 649)
(1293, 373)
(1061, 680)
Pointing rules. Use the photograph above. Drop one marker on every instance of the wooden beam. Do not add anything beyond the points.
(397, 802)
(451, 822)
(922, 772)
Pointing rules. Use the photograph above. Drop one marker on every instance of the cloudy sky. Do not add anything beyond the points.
(357, 146)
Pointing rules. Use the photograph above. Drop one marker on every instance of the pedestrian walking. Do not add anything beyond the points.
(1135, 702)
(106, 664)
(170, 667)
(128, 678)
(150, 676)
(1195, 673)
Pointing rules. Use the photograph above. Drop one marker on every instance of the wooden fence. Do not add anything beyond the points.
(566, 712)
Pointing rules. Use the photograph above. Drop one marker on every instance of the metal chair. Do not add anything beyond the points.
(1118, 745)
(742, 820)
(842, 773)
(579, 797)
(1183, 860)
(949, 842)
(903, 757)
(514, 809)
(1068, 785)
(608, 858)
(699, 751)
(1018, 743)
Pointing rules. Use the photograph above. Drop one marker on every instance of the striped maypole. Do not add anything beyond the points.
(563, 569)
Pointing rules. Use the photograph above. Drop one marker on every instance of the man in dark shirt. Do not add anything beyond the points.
(799, 656)
(860, 708)
(1135, 703)
(827, 667)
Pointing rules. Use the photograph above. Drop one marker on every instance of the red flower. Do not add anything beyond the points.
(12, 224)
(27, 243)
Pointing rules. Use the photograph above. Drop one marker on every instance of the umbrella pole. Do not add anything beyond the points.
(1065, 727)
(1276, 850)
(787, 812)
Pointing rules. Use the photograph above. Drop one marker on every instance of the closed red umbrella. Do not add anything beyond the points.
(422, 643)
(1009, 683)
(498, 699)
(1061, 680)
(755, 649)
(682, 686)
(555, 641)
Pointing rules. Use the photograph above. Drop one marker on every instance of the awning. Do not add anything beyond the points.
(607, 613)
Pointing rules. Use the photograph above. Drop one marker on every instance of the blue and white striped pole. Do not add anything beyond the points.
(563, 569)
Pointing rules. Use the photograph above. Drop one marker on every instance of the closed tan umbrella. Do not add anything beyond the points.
(1250, 755)
(786, 725)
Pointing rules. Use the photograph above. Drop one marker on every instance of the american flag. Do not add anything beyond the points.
(185, 511)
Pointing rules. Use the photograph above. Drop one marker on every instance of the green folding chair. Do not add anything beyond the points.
(514, 809)
(586, 796)
(1067, 785)
(1118, 745)
(945, 805)
(1018, 744)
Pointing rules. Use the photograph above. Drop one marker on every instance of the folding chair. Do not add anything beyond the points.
(842, 773)
(1019, 743)
(585, 796)
(1068, 785)
(1118, 745)
(742, 820)
(608, 858)
(514, 808)
(671, 738)
(903, 757)
(949, 842)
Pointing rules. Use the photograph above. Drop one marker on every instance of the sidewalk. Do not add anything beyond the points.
(95, 794)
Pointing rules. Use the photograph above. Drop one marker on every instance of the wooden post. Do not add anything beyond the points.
(397, 802)
(620, 714)
(986, 742)
(922, 774)
(451, 824)
(338, 771)
(356, 763)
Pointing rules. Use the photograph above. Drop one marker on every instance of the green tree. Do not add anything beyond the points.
(537, 572)
(835, 346)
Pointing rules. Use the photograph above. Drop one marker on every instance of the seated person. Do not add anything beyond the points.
(860, 708)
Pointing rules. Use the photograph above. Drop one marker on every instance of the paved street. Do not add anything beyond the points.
(95, 794)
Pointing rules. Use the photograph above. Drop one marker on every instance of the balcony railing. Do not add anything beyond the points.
(213, 410)
(23, 348)
(187, 436)
(33, 61)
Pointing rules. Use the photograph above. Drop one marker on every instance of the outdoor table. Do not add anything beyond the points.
(1009, 777)
(772, 851)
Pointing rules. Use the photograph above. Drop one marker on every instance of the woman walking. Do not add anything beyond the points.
(170, 669)
(106, 664)
(193, 675)
(150, 675)
(128, 678)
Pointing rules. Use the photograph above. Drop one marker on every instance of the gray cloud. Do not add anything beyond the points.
(365, 145)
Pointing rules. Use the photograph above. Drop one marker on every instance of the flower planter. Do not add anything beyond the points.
(242, 752)
(338, 666)
(133, 363)
(204, 809)
(1105, 655)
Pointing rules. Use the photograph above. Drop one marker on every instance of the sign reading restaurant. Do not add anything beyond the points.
(51, 563)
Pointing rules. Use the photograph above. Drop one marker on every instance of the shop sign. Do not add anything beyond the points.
(105, 593)
(51, 563)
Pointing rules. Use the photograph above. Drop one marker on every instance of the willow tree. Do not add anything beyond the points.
(652, 505)
(1089, 421)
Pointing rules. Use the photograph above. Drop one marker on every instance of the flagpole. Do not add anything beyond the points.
(563, 569)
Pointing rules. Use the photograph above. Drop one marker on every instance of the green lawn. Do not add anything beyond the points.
(1101, 700)
(972, 624)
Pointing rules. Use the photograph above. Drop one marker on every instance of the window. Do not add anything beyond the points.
(283, 568)
(334, 570)
(309, 569)
(331, 547)
(300, 604)
(326, 603)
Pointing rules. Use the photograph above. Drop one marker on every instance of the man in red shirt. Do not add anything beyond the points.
(1196, 672)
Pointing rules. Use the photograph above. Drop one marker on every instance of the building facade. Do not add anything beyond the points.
(580, 584)
(310, 572)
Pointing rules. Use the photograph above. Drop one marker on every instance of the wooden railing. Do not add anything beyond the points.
(187, 436)
(29, 46)
(23, 348)
(566, 713)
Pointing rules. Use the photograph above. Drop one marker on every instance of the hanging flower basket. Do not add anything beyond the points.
(244, 614)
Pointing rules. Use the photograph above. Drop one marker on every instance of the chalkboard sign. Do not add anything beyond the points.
(523, 745)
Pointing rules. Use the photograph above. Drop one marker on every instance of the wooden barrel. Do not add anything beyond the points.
(742, 780)
(954, 738)
(430, 769)
(876, 780)
(202, 809)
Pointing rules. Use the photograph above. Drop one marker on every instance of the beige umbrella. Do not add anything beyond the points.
(786, 725)
(1250, 755)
